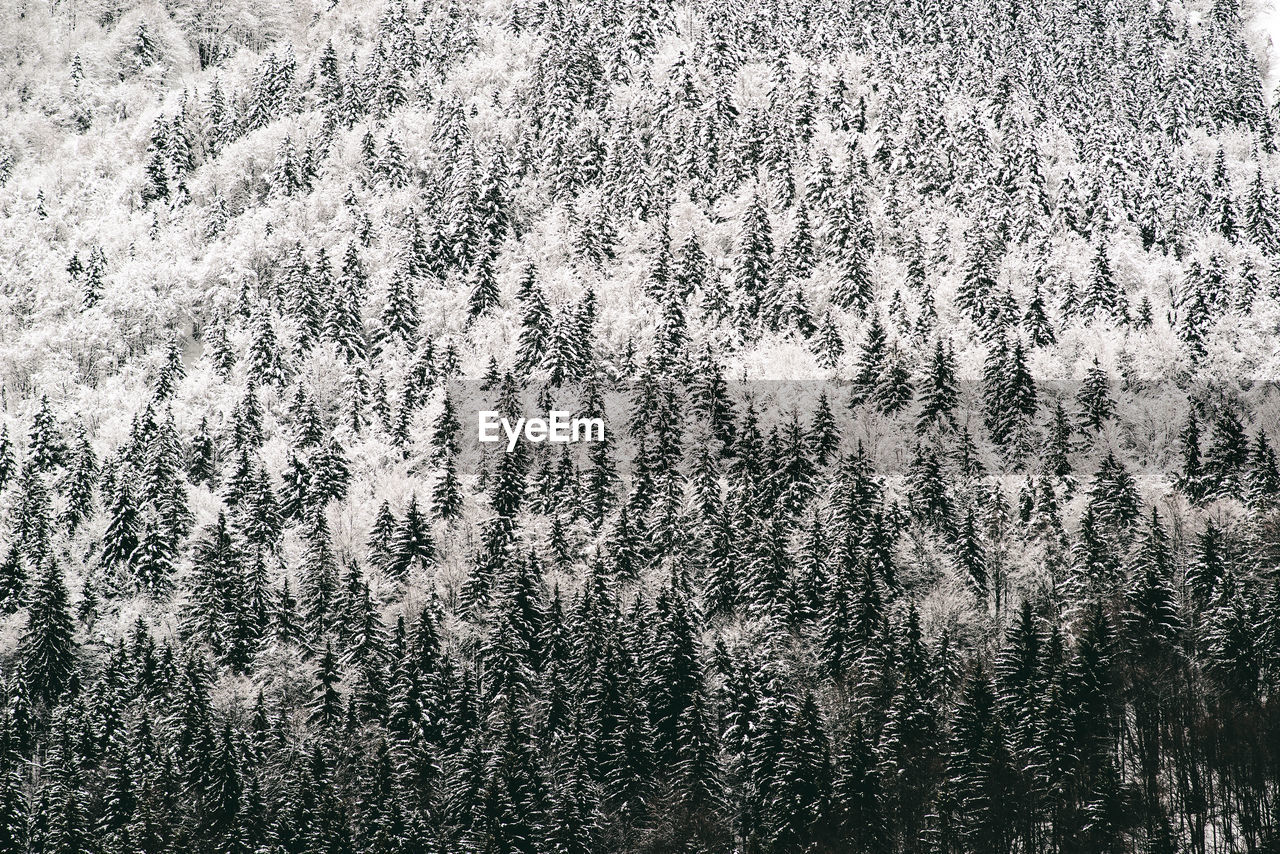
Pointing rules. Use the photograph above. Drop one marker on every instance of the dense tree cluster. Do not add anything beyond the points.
(998, 570)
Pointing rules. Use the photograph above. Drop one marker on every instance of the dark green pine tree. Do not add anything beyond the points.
(14, 812)
(47, 648)
(32, 517)
(1191, 480)
(344, 324)
(1101, 292)
(1094, 559)
(1209, 562)
(91, 279)
(79, 484)
(266, 365)
(330, 473)
(1195, 318)
(1151, 625)
(978, 284)
(754, 260)
(857, 794)
(871, 362)
(827, 343)
(998, 415)
(1146, 314)
(155, 183)
(327, 706)
(1055, 460)
(319, 581)
(220, 794)
(1226, 462)
(930, 499)
(894, 389)
(154, 559)
(535, 322)
(412, 544)
(971, 557)
(446, 497)
(124, 525)
(8, 463)
(381, 538)
(171, 373)
(1263, 477)
(1094, 398)
(13, 579)
(980, 770)
(400, 311)
(853, 288)
(482, 282)
(1035, 321)
(446, 429)
(722, 587)
(824, 434)
(1113, 495)
(938, 394)
(46, 449)
(219, 350)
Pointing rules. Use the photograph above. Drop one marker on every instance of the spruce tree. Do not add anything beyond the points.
(755, 256)
(47, 647)
(412, 542)
(938, 395)
(1094, 398)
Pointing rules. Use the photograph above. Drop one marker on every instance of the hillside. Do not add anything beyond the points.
(936, 347)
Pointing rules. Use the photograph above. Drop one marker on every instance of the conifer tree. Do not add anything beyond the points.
(755, 256)
(121, 539)
(1035, 322)
(483, 284)
(80, 482)
(871, 360)
(47, 450)
(446, 499)
(47, 647)
(400, 312)
(413, 542)
(938, 396)
(1094, 398)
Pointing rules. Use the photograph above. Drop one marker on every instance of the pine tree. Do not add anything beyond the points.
(121, 539)
(1094, 398)
(446, 499)
(483, 283)
(535, 322)
(8, 465)
(1191, 480)
(827, 342)
(1227, 458)
(755, 257)
(1035, 322)
(400, 312)
(1101, 294)
(326, 708)
(1113, 494)
(970, 555)
(47, 450)
(938, 395)
(80, 482)
(47, 647)
(1263, 474)
(871, 360)
(92, 279)
(155, 187)
(413, 542)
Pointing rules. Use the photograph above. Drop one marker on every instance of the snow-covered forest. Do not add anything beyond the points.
(938, 509)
